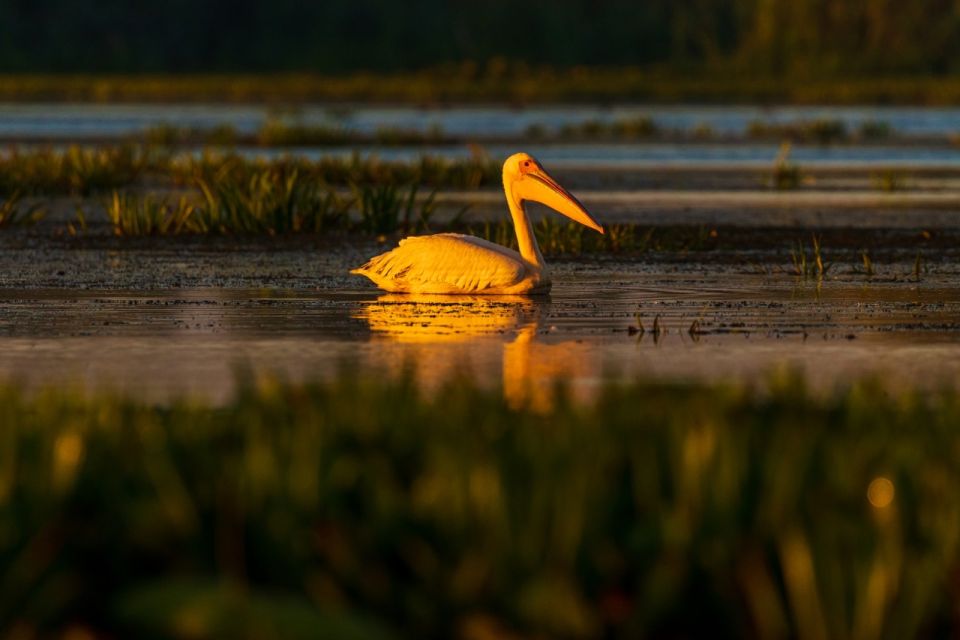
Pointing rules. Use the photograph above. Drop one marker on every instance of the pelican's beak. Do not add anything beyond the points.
(538, 185)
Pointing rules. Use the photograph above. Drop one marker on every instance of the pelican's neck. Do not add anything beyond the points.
(526, 240)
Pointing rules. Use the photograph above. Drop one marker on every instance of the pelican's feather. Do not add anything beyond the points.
(451, 263)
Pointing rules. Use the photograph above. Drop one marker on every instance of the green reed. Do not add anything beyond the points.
(366, 507)
(147, 215)
(83, 171)
(13, 213)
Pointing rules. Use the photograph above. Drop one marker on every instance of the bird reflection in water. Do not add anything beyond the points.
(441, 336)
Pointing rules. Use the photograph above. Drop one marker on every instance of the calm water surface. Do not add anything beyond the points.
(117, 120)
(95, 122)
(168, 343)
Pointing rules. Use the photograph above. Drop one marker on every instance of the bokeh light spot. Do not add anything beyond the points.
(880, 492)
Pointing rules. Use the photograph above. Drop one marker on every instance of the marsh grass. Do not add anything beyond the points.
(636, 128)
(74, 170)
(523, 84)
(170, 135)
(821, 131)
(147, 215)
(97, 170)
(566, 238)
(282, 132)
(919, 266)
(269, 202)
(868, 268)
(278, 133)
(875, 130)
(386, 209)
(785, 174)
(295, 508)
(812, 265)
(13, 213)
(889, 180)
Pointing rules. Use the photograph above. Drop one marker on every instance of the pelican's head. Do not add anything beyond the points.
(525, 179)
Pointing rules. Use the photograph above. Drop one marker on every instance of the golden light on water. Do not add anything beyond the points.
(881, 492)
(459, 325)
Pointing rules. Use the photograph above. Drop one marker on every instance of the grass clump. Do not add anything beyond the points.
(169, 135)
(147, 215)
(13, 213)
(785, 174)
(635, 128)
(874, 130)
(812, 265)
(561, 238)
(385, 209)
(363, 507)
(75, 170)
(91, 170)
(269, 203)
(889, 180)
(277, 133)
(820, 131)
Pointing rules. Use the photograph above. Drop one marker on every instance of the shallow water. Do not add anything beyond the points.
(168, 343)
(98, 120)
(746, 155)
(81, 122)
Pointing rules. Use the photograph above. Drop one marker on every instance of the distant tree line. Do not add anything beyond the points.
(339, 36)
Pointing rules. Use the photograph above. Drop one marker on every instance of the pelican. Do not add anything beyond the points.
(453, 263)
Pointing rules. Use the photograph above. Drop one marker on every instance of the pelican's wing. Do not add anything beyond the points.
(445, 263)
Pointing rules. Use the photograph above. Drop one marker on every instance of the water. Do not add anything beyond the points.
(97, 122)
(748, 155)
(167, 343)
(116, 120)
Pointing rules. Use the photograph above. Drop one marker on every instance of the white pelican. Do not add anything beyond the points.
(455, 263)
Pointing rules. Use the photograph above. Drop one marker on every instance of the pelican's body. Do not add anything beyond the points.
(452, 263)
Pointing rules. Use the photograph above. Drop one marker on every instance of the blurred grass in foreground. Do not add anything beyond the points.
(363, 508)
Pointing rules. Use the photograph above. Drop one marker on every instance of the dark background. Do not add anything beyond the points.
(822, 37)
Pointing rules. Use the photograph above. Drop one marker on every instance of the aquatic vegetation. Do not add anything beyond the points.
(365, 499)
(821, 131)
(469, 173)
(919, 266)
(13, 213)
(500, 232)
(384, 209)
(889, 180)
(147, 215)
(278, 133)
(450, 84)
(75, 170)
(812, 265)
(868, 269)
(84, 171)
(169, 135)
(557, 237)
(621, 129)
(874, 130)
(785, 174)
(282, 132)
(269, 202)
